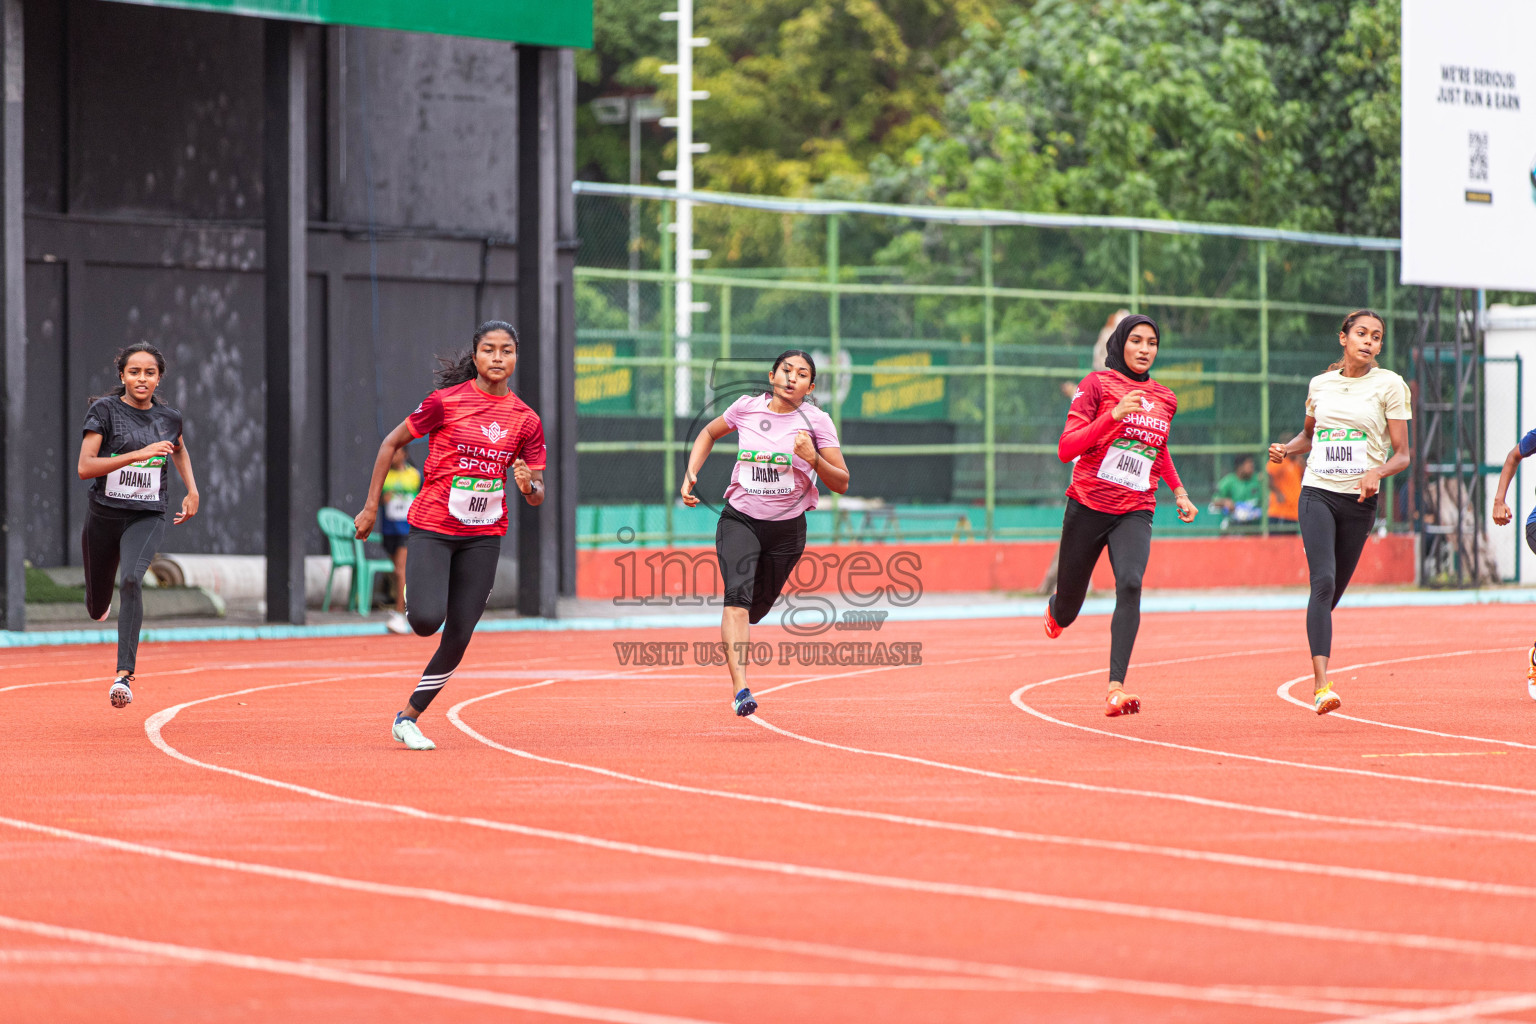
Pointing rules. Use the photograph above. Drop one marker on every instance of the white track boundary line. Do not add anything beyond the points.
(1056, 980)
(355, 979)
(1117, 846)
(1284, 693)
(1148, 794)
(1445, 1014)
(154, 725)
(1017, 697)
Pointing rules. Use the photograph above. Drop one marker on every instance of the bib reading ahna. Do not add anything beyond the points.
(1129, 464)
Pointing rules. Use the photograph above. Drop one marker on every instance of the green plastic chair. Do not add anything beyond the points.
(347, 552)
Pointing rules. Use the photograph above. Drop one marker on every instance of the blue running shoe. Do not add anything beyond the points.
(744, 704)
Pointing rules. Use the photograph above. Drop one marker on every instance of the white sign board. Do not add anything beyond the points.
(1469, 143)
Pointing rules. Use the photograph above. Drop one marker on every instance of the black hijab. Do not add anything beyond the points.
(1114, 357)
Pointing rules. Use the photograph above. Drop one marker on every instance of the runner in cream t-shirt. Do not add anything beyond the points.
(1356, 413)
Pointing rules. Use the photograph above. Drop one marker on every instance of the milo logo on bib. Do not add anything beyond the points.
(476, 500)
(137, 481)
(1129, 464)
(765, 473)
(1338, 451)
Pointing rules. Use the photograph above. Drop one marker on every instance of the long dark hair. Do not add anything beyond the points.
(121, 363)
(793, 352)
(1349, 321)
(453, 371)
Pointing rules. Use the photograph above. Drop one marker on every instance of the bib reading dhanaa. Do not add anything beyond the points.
(137, 481)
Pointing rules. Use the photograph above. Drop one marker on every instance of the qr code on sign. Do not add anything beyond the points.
(1477, 161)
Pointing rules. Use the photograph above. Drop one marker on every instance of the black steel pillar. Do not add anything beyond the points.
(538, 361)
(287, 511)
(567, 242)
(13, 323)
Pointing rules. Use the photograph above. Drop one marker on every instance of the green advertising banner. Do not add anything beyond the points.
(901, 391)
(548, 23)
(605, 390)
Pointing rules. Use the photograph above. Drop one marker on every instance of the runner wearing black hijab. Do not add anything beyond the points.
(1117, 430)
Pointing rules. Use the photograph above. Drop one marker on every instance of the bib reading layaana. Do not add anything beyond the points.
(1129, 464)
(137, 481)
(1341, 451)
(765, 473)
(476, 500)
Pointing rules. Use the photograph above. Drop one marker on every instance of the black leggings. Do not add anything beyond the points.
(447, 582)
(1085, 532)
(1334, 527)
(756, 557)
(112, 539)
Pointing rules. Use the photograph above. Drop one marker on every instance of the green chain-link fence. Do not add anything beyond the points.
(948, 343)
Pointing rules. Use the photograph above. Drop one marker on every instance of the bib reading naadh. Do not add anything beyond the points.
(138, 481)
(476, 500)
(1338, 451)
(766, 474)
(1129, 464)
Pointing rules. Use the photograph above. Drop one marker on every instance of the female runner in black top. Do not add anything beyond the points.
(125, 519)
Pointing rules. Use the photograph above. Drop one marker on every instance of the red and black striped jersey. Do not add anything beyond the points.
(1118, 464)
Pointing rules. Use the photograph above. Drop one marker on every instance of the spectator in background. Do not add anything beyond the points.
(1285, 488)
(401, 485)
(1240, 494)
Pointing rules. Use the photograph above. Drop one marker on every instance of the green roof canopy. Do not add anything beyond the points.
(537, 22)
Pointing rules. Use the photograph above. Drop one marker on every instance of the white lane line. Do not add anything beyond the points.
(100, 677)
(1056, 980)
(154, 725)
(77, 958)
(1017, 697)
(1116, 846)
(686, 976)
(1444, 1014)
(1150, 794)
(1284, 692)
(356, 979)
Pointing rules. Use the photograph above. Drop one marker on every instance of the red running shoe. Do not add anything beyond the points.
(1051, 629)
(1121, 703)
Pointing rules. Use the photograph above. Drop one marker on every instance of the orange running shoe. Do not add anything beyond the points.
(1053, 631)
(1325, 700)
(1121, 703)
(1530, 675)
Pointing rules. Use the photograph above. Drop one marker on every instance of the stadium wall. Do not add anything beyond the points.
(632, 576)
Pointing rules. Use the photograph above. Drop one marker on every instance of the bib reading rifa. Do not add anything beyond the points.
(476, 500)
(1129, 464)
(137, 481)
(1339, 451)
(765, 473)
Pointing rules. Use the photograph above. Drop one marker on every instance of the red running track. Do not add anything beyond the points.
(968, 840)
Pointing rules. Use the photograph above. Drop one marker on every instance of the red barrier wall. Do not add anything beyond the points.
(1193, 564)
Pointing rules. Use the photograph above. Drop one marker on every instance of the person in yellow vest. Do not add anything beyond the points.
(401, 485)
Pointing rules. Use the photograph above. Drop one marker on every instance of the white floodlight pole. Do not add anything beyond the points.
(683, 176)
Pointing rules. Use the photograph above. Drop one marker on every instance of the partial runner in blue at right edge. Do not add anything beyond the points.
(1502, 515)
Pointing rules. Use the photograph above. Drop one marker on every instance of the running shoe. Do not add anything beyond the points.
(396, 624)
(1325, 700)
(121, 695)
(1121, 703)
(1052, 630)
(408, 732)
(1530, 674)
(744, 704)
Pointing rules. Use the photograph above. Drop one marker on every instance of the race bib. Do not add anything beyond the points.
(1338, 451)
(765, 473)
(476, 500)
(138, 481)
(397, 506)
(1129, 464)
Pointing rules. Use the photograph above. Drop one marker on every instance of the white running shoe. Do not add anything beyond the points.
(1530, 675)
(121, 695)
(408, 732)
(396, 623)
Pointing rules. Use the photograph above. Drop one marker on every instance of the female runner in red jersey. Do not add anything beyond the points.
(1117, 431)
(479, 429)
